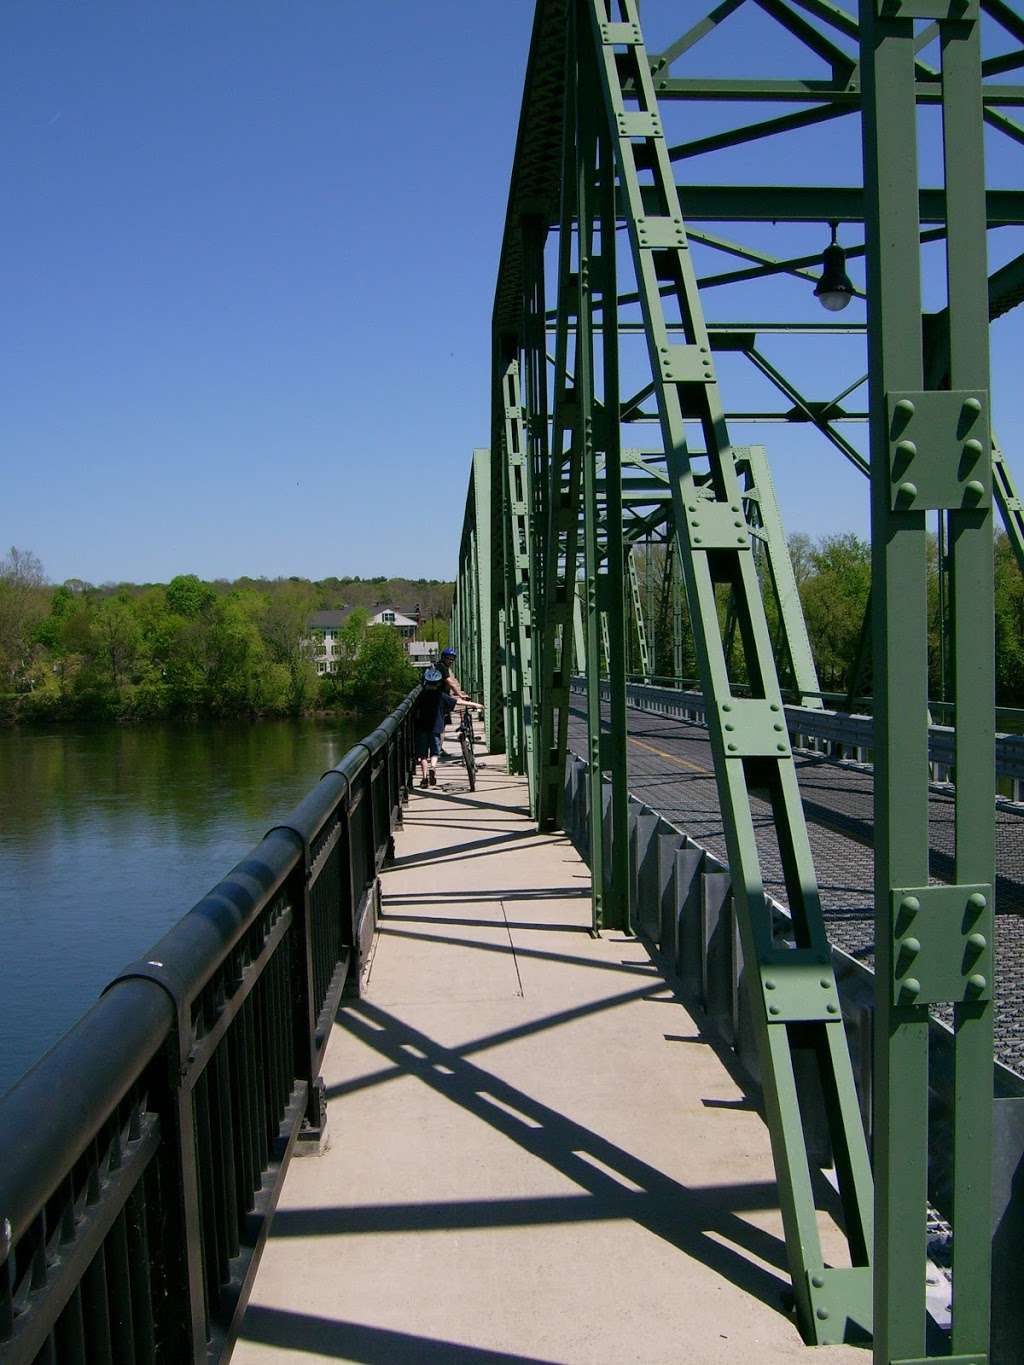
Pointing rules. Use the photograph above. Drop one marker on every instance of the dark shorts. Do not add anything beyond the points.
(427, 745)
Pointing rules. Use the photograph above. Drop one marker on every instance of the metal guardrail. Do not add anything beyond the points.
(141, 1159)
(833, 733)
(1010, 717)
(681, 902)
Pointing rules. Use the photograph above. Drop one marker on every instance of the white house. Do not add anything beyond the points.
(405, 625)
(325, 627)
(325, 636)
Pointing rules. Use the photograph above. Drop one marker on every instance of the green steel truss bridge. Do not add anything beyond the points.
(836, 923)
(613, 495)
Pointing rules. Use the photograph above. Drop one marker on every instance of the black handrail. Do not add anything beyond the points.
(142, 1157)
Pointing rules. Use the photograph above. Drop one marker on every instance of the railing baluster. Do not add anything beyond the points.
(140, 1273)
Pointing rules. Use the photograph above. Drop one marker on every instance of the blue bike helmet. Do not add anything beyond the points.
(448, 653)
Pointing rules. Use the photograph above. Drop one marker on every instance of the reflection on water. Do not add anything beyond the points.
(109, 835)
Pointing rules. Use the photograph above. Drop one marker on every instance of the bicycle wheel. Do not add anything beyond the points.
(469, 758)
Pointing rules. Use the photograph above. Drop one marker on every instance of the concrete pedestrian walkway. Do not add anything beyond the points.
(535, 1156)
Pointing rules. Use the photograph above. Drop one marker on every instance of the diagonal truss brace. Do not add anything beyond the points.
(791, 986)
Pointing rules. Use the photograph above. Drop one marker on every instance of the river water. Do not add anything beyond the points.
(108, 835)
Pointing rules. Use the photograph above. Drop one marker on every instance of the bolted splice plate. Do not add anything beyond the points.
(685, 365)
(841, 1300)
(660, 232)
(940, 450)
(619, 35)
(799, 992)
(716, 525)
(942, 940)
(753, 728)
(633, 123)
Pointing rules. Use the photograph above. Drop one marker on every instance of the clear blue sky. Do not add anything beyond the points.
(247, 261)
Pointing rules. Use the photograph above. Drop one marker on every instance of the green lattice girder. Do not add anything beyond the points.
(747, 734)
(930, 450)
(557, 154)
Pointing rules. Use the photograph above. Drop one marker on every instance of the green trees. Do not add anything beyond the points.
(834, 591)
(1009, 586)
(192, 648)
(189, 648)
(22, 607)
(380, 674)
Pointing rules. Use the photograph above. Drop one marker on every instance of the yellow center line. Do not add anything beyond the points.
(682, 762)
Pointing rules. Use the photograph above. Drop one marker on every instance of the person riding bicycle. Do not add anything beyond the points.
(430, 712)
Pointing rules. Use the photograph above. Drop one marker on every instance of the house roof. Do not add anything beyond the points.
(399, 620)
(329, 620)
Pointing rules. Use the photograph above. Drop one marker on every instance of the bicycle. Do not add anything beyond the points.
(466, 740)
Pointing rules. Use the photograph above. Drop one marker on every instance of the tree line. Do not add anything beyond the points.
(191, 648)
(833, 576)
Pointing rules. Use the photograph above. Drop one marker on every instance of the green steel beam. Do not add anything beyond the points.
(748, 735)
(811, 204)
(801, 92)
(586, 144)
(562, 522)
(576, 466)
(930, 450)
(637, 616)
(762, 510)
(518, 500)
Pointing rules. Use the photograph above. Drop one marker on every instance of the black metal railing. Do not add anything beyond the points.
(142, 1158)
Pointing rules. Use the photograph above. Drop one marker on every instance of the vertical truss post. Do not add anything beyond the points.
(486, 624)
(560, 555)
(604, 278)
(512, 664)
(585, 176)
(930, 450)
(535, 394)
(791, 986)
(518, 567)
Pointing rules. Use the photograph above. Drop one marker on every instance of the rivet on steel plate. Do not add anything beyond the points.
(907, 491)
